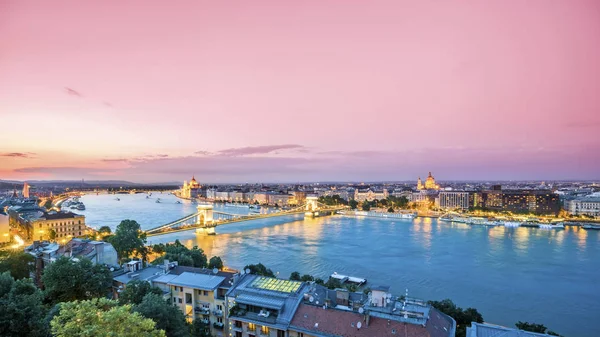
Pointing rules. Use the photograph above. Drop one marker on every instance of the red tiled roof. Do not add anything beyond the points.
(333, 322)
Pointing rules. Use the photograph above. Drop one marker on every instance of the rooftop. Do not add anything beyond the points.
(146, 274)
(197, 281)
(274, 284)
(490, 330)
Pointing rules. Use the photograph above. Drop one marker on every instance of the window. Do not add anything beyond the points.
(280, 333)
(238, 334)
(251, 327)
(264, 330)
(219, 307)
(40, 225)
(205, 293)
(180, 300)
(238, 324)
(220, 319)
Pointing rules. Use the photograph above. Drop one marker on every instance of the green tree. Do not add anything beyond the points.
(136, 290)
(167, 317)
(199, 329)
(352, 287)
(18, 263)
(52, 234)
(366, 206)
(534, 327)
(48, 204)
(21, 309)
(319, 281)
(104, 230)
(333, 283)
(103, 318)
(462, 317)
(353, 204)
(129, 239)
(69, 280)
(215, 262)
(307, 278)
(259, 269)
(391, 210)
(295, 276)
(158, 248)
(184, 256)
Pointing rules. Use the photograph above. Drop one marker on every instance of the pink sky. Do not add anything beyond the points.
(299, 90)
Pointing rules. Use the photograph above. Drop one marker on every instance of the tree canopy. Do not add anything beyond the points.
(462, 317)
(21, 309)
(259, 269)
(215, 262)
(101, 317)
(136, 290)
(18, 263)
(129, 239)
(69, 280)
(104, 230)
(184, 256)
(534, 327)
(295, 276)
(167, 317)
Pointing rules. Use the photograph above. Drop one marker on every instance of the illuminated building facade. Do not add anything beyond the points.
(429, 183)
(190, 190)
(370, 195)
(453, 200)
(584, 206)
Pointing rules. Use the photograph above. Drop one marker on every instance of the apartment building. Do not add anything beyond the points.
(263, 306)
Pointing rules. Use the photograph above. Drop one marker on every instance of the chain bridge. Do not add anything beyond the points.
(206, 219)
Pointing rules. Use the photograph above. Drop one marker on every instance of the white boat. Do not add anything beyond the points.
(81, 207)
(117, 199)
(591, 226)
(512, 224)
(407, 215)
(158, 201)
(178, 202)
(552, 226)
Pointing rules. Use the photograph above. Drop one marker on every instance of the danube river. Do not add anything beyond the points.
(509, 274)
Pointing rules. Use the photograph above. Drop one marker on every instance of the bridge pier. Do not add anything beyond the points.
(205, 214)
(312, 206)
(206, 230)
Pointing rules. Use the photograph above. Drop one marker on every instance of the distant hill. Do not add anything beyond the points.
(7, 184)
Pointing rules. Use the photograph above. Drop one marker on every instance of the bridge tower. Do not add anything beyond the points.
(205, 219)
(312, 206)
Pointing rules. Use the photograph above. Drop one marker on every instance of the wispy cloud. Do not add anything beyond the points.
(252, 150)
(114, 160)
(27, 155)
(72, 92)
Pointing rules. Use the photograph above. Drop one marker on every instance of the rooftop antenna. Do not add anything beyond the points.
(247, 270)
(215, 270)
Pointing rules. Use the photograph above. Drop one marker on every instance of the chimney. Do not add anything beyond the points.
(166, 266)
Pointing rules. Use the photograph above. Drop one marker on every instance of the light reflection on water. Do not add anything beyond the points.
(509, 274)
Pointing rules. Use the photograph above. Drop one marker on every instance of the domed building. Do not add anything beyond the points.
(429, 183)
(190, 190)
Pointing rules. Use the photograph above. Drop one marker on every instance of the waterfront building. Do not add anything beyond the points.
(222, 196)
(419, 197)
(453, 200)
(490, 330)
(324, 313)
(297, 198)
(190, 190)
(429, 183)
(211, 193)
(370, 194)
(279, 199)
(65, 224)
(533, 201)
(263, 305)
(584, 206)
(260, 198)
(4, 228)
(492, 199)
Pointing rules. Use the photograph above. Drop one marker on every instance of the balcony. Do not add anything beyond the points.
(218, 325)
(205, 321)
(259, 318)
(218, 313)
(202, 310)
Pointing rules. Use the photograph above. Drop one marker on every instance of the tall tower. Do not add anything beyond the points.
(25, 190)
(419, 184)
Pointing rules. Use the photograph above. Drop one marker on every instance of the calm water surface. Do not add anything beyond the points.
(508, 274)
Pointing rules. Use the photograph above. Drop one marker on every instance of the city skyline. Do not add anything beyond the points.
(273, 92)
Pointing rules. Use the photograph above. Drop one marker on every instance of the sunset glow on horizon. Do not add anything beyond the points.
(272, 91)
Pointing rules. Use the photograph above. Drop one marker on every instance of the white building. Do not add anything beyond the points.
(4, 228)
(453, 200)
(584, 206)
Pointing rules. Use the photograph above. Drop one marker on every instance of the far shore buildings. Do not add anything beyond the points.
(190, 190)
(37, 224)
(370, 194)
(4, 228)
(584, 206)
